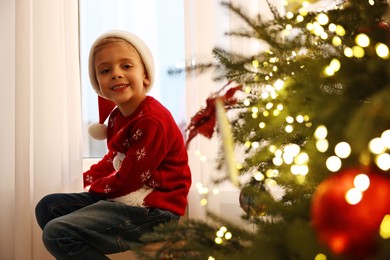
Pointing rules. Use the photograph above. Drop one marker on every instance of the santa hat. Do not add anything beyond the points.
(99, 130)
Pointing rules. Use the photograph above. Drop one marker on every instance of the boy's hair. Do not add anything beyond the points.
(110, 41)
(134, 42)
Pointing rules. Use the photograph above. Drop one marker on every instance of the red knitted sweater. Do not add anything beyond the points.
(147, 162)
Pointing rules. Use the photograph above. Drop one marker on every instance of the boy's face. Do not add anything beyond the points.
(121, 76)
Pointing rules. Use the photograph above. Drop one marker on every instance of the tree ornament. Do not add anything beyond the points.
(204, 121)
(347, 210)
(252, 198)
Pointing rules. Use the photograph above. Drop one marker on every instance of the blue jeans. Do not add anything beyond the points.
(85, 226)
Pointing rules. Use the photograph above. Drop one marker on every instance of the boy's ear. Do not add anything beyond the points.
(146, 81)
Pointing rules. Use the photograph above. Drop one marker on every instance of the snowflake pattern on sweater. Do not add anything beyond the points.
(153, 168)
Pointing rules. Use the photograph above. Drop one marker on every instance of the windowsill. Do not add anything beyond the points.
(88, 162)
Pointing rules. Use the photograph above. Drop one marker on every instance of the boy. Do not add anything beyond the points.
(144, 178)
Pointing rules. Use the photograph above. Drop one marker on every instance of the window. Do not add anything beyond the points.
(161, 25)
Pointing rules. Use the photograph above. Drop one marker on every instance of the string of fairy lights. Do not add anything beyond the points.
(292, 154)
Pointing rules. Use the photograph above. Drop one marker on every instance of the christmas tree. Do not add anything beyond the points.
(311, 115)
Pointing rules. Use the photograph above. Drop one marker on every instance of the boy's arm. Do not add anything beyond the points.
(99, 170)
(147, 149)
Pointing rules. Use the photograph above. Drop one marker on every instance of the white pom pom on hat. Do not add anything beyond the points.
(99, 130)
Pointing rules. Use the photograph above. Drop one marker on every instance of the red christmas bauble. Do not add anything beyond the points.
(350, 228)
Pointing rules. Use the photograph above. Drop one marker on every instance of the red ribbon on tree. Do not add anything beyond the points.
(204, 121)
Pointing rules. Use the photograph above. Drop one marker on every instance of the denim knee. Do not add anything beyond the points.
(52, 233)
(42, 212)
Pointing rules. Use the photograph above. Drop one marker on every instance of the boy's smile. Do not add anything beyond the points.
(119, 87)
(121, 76)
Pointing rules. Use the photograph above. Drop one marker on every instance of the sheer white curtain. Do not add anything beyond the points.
(41, 116)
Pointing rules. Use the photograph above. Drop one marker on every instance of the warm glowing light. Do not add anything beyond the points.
(255, 63)
(361, 182)
(336, 41)
(335, 64)
(300, 119)
(318, 29)
(289, 128)
(280, 107)
(289, 119)
(332, 27)
(321, 132)
(300, 18)
(203, 202)
(353, 196)
(292, 149)
(342, 150)
(386, 138)
(289, 15)
(270, 182)
(277, 161)
(340, 30)
(259, 176)
(247, 102)
(322, 145)
(272, 148)
(299, 170)
(383, 161)
(333, 163)
(255, 145)
(228, 235)
(329, 71)
(218, 240)
(295, 169)
(382, 50)
(320, 257)
(287, 158)
(211, 258)
(322, 19)
(376, 146)
(362, 40)
(301, 158)
(384, 229)
(303, 11)
(304, 169)
(358, 51)
(261, 125)
(271, 174)
(279, 84)
(348, 52)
